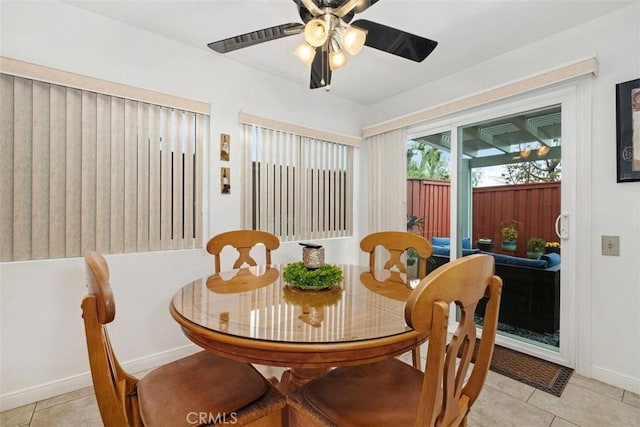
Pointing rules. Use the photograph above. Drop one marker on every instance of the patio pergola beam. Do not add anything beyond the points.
(526, 126)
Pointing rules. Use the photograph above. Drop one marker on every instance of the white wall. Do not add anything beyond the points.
(42, 348)
(610, 296)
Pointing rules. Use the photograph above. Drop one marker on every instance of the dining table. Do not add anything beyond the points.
(252, 315)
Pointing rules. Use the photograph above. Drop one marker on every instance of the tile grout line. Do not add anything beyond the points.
(530, 395)
(624, 392)
(35, 405)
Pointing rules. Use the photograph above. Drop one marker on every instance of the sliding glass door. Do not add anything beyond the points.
(503, 170)
(509, 185)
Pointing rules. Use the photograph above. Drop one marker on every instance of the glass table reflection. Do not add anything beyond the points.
(252, 315)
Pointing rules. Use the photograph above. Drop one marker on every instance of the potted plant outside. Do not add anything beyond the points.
(509, 238)
(552, 247)
(535, 247)
(412, 256)
(413, 222)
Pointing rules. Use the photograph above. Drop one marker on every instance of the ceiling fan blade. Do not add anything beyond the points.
(304, 13)
(320, 71)
(364, 5)
(396, 42)
(256, 37)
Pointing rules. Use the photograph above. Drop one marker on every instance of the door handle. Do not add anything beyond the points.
(562, 226)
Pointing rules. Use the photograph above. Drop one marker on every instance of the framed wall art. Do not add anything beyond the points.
(225, 180)
(225, 146)
(628, 126)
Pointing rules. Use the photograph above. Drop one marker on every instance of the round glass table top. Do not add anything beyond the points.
(256, 303)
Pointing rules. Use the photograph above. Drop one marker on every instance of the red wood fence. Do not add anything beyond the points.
(430, 200)
(534, 207)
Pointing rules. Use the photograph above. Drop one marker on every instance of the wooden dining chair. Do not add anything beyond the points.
(194, 390)
(243, 241)
(393, 393)
(397, 243)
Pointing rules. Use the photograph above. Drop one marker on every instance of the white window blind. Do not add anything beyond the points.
(387, 192)
(298, 187)
(82, 170)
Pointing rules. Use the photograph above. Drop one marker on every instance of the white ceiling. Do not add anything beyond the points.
(468, 32)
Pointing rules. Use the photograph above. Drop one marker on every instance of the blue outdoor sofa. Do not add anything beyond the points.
(531, 287)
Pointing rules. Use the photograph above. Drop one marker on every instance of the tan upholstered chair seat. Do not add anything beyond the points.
(200, 373)
(392, 400)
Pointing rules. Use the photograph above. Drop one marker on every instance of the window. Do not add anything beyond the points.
(299, 187)
(83, 170)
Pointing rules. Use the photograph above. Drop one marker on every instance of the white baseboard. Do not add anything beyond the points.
(616, 379)
(65, 385)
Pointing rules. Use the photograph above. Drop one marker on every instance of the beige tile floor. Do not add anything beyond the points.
(503, 402)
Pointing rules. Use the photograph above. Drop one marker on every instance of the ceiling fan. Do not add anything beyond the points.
(328, 32)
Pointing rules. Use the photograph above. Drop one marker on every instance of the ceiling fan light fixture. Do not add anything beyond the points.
(305, 52)
(316, 32)
(353, 39)
(337, 58)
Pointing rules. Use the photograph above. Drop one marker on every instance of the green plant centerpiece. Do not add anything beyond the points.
(535, 246)
(323, 277)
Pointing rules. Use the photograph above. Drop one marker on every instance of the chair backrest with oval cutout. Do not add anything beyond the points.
(243, 241)
(397, 242)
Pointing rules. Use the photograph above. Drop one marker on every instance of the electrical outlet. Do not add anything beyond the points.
(611, 245)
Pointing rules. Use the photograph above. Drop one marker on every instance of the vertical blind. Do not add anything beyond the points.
(298, 187)
(82, 171)
(387, 192)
